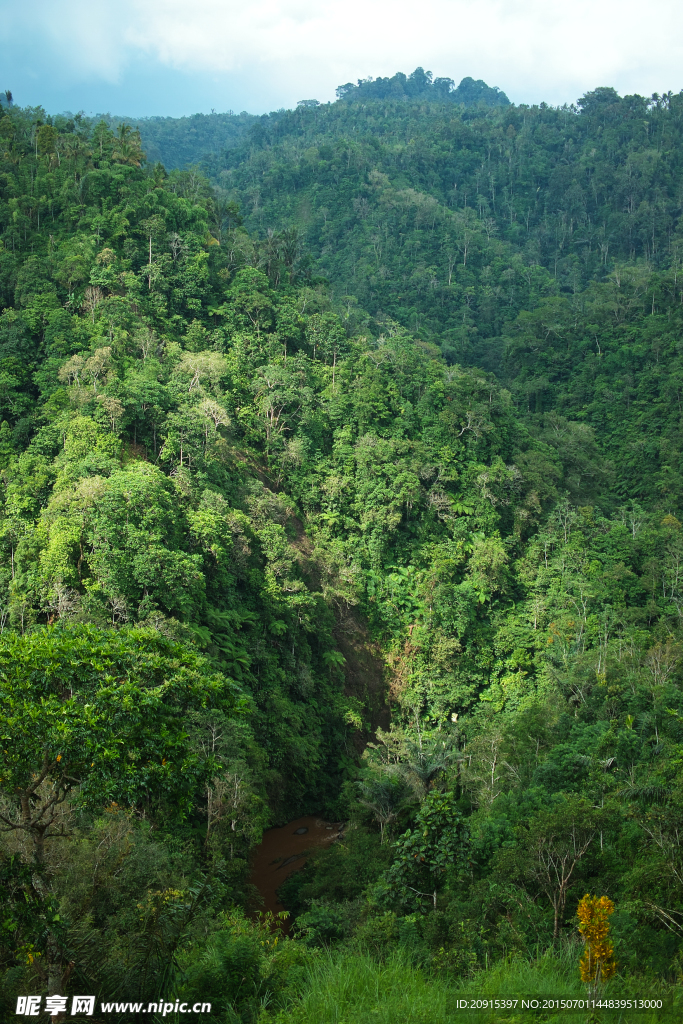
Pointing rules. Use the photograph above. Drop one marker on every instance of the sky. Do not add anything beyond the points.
(176, 57)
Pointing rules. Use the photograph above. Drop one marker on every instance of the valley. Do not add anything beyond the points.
(341, 482)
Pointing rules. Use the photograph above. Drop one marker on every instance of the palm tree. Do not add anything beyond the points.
(128, 149)
(384, 795)
(428, 759)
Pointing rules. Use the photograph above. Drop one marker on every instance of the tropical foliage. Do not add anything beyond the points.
(323, 492)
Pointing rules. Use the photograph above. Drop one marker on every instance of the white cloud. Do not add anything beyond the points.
(533, 49)
(80, 39)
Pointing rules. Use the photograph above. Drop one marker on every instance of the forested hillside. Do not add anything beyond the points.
(329, 487)
(498, 233)
(178, 142)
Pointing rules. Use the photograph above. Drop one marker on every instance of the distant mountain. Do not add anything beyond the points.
(422, 86)
(181, 141)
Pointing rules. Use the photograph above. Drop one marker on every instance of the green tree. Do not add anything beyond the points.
(425, 854)
(88, 717)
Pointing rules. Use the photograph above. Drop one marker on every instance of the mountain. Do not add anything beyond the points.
(179, 142)
(327, 487)
(458, 222)
(421, 85)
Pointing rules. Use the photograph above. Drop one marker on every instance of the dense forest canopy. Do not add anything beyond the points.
(179, 142)
(341, 474)
(422, 85)
(540, 244)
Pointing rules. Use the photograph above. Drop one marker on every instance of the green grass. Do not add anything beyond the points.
(352, 988)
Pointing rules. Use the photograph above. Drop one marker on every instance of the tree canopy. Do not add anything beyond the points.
(329, 487)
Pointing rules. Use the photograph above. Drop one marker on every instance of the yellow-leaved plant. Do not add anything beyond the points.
(597, 963)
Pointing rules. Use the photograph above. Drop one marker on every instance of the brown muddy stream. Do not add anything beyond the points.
(283, 851)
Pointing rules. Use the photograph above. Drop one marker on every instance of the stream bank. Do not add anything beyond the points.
(282, 851)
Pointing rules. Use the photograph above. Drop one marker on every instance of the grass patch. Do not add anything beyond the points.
(353, 988)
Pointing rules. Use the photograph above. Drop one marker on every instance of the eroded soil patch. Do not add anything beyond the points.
(283, 851)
